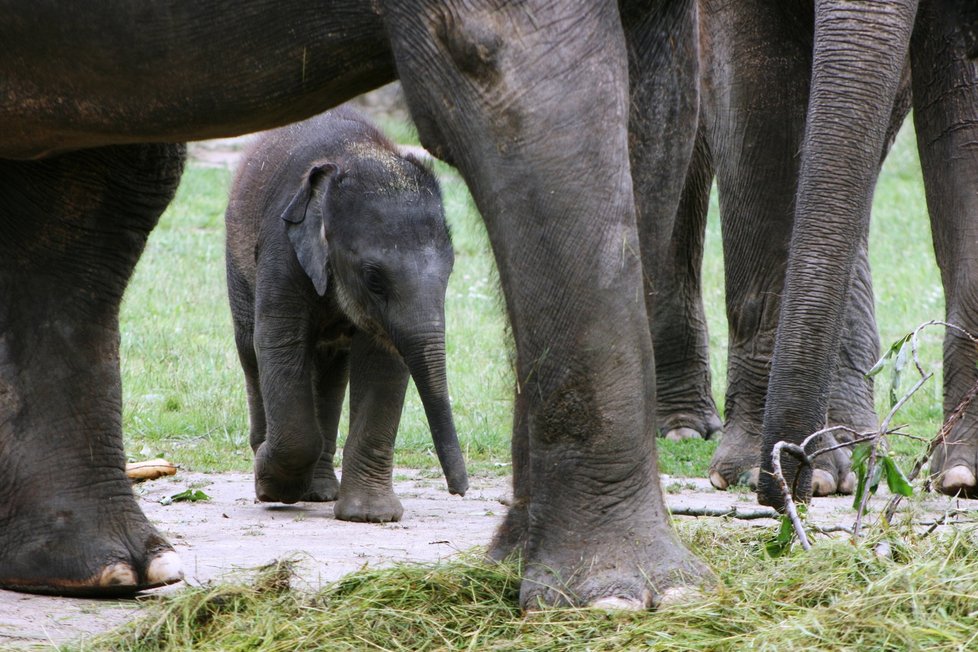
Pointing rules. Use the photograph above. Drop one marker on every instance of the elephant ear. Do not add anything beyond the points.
(305, 227)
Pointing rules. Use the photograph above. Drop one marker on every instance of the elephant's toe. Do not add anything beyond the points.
(623, 603)
(680, 434)
(823, 483)
(736, 459)
(165, 568)
(718, 481)
(957, 479)
(117, 575)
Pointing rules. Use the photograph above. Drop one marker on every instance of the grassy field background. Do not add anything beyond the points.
(184, 395)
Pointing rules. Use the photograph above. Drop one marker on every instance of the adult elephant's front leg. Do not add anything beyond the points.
(530, 101)
(73, 228)
(945, 94)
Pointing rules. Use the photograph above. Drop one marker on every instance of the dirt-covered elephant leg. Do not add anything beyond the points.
(945, 89)
(672, 249)
(530, 101)
(286, 459)
(73, 227)
(332, 375)
(378, 381)
(757, 59)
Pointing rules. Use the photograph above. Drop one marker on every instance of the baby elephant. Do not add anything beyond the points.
(338, 258)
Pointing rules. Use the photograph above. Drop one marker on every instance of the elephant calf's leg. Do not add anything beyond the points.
(378, 381)
(332, 377)
(73, 227)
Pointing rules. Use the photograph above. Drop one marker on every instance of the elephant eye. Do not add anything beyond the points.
(374, 279)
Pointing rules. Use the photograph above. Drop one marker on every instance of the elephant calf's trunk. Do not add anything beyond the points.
(426, 360)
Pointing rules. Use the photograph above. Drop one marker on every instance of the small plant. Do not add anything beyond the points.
(870, 461)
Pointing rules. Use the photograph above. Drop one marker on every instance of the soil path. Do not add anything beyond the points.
(231, 532)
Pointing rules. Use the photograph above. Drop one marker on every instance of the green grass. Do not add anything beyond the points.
(835, 597)
(184, 393)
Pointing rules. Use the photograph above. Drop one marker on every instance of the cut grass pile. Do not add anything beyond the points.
(836, 597)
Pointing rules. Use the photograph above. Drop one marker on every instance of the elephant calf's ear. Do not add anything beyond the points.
(305, 225)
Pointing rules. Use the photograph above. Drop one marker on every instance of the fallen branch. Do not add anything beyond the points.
(740, 513)
(789, 503)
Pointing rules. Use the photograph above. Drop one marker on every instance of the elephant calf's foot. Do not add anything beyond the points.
(275, 484)
(324, 489)
(367, 506)
(954, 466)
(736, 460)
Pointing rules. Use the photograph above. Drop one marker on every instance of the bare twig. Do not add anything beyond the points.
(789, 503)
(728, 512)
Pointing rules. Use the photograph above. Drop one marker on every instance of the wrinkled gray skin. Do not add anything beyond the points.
(338, 260)
(858, 64)
(757, 57)
(529, 100)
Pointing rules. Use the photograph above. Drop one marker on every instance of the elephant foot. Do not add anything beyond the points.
(954, 465)
(511, 535)
(368, 506)
(633, 571)
(75, 550)
(736, 460)
(275, 484)
(324, 488)
(698, 422)
(833, 471)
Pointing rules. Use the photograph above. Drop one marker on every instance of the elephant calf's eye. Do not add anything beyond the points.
(373, 278)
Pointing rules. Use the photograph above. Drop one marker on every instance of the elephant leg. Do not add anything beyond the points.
(331, 378)
(74, 227)
(286, 459)
(530, 102)
(511, 536)
(378, 381)
(754, 101)
(945, 98)
(243, 316)
(672, 246)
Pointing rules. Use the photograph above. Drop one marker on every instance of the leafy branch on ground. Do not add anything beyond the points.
(871, 461)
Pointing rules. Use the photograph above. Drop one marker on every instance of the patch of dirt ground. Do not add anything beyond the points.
(231, 532)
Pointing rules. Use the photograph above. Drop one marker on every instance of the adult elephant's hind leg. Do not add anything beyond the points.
(530, 101)
(73, 228)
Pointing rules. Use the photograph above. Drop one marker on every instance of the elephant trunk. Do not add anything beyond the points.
(424, 355)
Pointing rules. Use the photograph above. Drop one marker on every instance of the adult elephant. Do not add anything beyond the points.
(756, 63)
(858, 60)
(529, 100)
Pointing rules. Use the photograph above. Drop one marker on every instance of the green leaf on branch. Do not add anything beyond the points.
(894, 350)
(780, 544)
(896, 481)
(860, 466)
